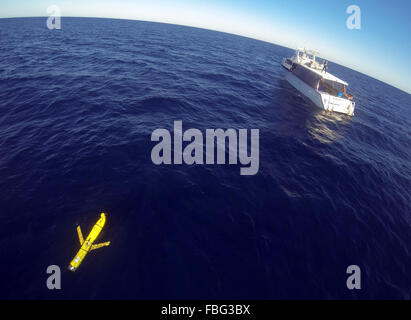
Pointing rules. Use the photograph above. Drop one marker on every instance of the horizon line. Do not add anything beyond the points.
(215, 30)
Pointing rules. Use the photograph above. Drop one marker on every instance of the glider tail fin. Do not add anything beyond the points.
(100, 245)
(80, 235)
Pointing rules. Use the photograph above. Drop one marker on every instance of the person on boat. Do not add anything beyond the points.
(325, 66)
(349, 96)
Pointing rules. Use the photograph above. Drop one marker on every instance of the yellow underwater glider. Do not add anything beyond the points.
(87, 246)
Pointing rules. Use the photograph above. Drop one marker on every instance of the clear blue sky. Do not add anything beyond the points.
(380, 49)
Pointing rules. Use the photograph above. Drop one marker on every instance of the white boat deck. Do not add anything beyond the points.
(326, 75)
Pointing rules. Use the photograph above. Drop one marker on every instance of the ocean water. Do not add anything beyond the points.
(77, 109)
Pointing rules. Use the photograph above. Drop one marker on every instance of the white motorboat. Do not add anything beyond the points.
(311, 78)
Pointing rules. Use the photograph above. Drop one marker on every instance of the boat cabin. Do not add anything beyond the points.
(311, 72)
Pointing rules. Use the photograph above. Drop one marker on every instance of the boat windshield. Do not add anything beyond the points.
(301, 54)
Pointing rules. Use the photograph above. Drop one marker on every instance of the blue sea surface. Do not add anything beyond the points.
(77, 109)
